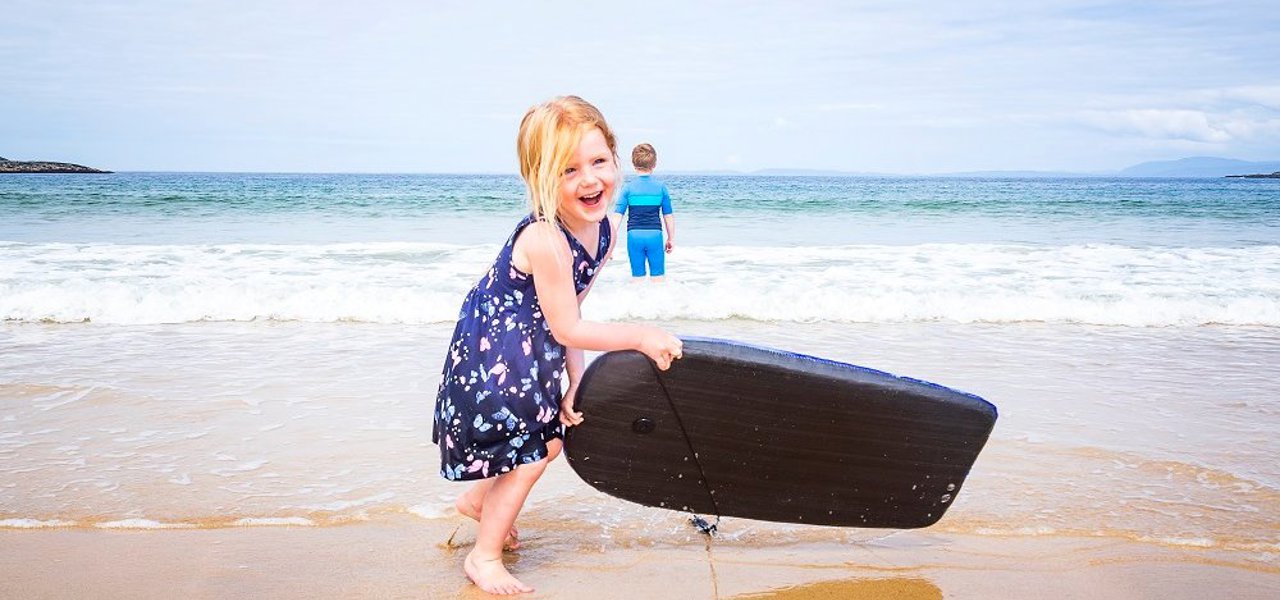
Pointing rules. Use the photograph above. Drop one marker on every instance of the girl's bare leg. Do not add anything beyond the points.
(471, 504)
(502, 504)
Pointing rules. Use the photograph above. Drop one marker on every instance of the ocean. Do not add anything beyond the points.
(227, 350)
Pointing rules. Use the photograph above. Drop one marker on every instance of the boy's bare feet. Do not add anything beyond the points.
(492, 576)
(466, 508)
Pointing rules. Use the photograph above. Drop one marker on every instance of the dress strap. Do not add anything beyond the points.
(525, 222)
(606, 238)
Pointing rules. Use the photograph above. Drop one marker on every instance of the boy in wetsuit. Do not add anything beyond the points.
(650, 204)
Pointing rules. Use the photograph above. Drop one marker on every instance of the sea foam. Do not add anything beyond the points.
(425, 283)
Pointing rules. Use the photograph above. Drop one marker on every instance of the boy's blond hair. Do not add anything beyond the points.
(549, 135)
(644, 157)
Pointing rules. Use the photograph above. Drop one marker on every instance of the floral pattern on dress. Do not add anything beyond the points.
(499, 399)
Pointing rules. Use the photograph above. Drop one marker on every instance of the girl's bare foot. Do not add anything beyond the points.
(466, 508)
(492, 576)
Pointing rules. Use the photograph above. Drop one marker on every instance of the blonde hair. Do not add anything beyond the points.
(644, 157)
(549, 135)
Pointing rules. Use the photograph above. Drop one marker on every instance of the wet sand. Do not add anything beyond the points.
(406, 557)
(1121, 467)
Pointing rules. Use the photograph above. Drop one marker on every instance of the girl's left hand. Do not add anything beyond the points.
(568, 416)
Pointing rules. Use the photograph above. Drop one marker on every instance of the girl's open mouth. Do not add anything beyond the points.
(592, 199)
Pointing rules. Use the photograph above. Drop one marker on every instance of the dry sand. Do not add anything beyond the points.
(405, 557)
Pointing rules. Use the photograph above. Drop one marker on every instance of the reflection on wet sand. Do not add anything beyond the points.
(906, 588)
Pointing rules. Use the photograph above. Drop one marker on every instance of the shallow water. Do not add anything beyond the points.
(1166, 435)
(226, 350)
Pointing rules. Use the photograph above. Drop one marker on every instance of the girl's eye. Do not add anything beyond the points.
(570, 171)
(601, 161)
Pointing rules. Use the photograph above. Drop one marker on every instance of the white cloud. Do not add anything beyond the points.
(889, 86)
(1157, 123)
(1260, 95)
(850, 106)
(1184, 124)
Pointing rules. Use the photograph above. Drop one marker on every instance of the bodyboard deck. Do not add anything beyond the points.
(738, 430)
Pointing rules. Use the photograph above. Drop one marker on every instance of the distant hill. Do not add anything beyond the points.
(1023, 174)
(1199, 166)
(41, 166)
(1196, 166)
(781, 172)
(812, 173)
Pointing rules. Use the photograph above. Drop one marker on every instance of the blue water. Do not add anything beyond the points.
(241, 327)
(743, 210)
(173, 247)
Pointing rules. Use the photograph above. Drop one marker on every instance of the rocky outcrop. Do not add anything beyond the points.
(1275, 175)
(41, 166)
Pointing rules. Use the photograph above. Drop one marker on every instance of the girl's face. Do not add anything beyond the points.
(587, 182)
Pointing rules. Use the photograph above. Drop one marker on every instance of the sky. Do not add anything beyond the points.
(433, 86)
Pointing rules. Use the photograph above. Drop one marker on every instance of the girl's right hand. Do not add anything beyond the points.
(661, 347)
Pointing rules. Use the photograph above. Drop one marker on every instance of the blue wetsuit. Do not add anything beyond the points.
(648, 199)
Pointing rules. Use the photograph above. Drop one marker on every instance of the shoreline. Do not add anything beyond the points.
(1095, 484)
(410, 558)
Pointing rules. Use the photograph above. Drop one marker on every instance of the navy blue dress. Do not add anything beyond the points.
(500, 392)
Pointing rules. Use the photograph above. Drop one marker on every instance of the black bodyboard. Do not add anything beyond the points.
(744, 431)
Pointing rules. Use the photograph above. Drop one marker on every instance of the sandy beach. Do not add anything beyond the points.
(1083, 491)
(409, 558)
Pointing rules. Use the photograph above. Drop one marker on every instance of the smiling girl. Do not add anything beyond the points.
(501, 405)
